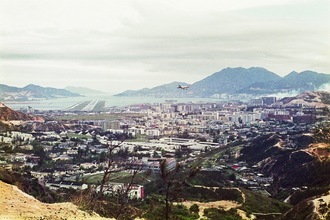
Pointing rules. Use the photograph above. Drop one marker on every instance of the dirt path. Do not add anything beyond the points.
(243, 195)
(225, 204)
(15, 204)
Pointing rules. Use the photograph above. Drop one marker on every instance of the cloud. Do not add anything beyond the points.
(155, 42)
(324, 87)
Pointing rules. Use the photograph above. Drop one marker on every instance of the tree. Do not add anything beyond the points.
(231, 138)
(174, 182)
(123, 152)
(116, 164)
(232, 177)
(103, 156)
(156, 155)
(194, 208)
(38, 150)
(122, 194)
(95, 141)
(112, 145)
(184, 134)
(178, 153)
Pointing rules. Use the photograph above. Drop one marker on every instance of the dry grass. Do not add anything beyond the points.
(15, 204)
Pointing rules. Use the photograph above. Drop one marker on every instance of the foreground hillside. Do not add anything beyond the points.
(300, 166)
(288, 159)
(313, 208)
(15, 204)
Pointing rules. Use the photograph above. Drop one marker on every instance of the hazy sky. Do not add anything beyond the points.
(114, 45)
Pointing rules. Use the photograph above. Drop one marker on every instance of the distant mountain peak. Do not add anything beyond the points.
(231, 80)
(32, 85)
(83, 90)
(165, 90)
(240, 80)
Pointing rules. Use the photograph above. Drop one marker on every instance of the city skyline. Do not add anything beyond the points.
(113, 46)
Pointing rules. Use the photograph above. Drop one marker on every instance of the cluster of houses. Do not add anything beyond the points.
(171, 130)
(249, 178)
(170, 119)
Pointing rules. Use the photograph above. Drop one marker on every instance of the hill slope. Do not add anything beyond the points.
(9, 118)
(7, 114)
(15, 204)
(311, 99)
(315, 208)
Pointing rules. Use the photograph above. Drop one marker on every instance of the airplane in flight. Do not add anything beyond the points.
(183, 87)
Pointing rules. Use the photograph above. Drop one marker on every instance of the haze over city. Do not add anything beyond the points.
(117, 45)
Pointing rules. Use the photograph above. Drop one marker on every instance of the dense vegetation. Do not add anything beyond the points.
(253, 203)
(217, 213)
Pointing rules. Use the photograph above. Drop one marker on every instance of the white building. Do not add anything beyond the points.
(153, 132)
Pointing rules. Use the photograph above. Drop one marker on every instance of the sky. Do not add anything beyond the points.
(115, 45)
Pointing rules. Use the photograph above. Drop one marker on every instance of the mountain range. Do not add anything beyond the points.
(253, 81)
(32, 92)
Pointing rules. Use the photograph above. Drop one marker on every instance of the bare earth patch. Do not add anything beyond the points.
(15, 204)
(225, 204)
(320, 150)
(323, 201)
